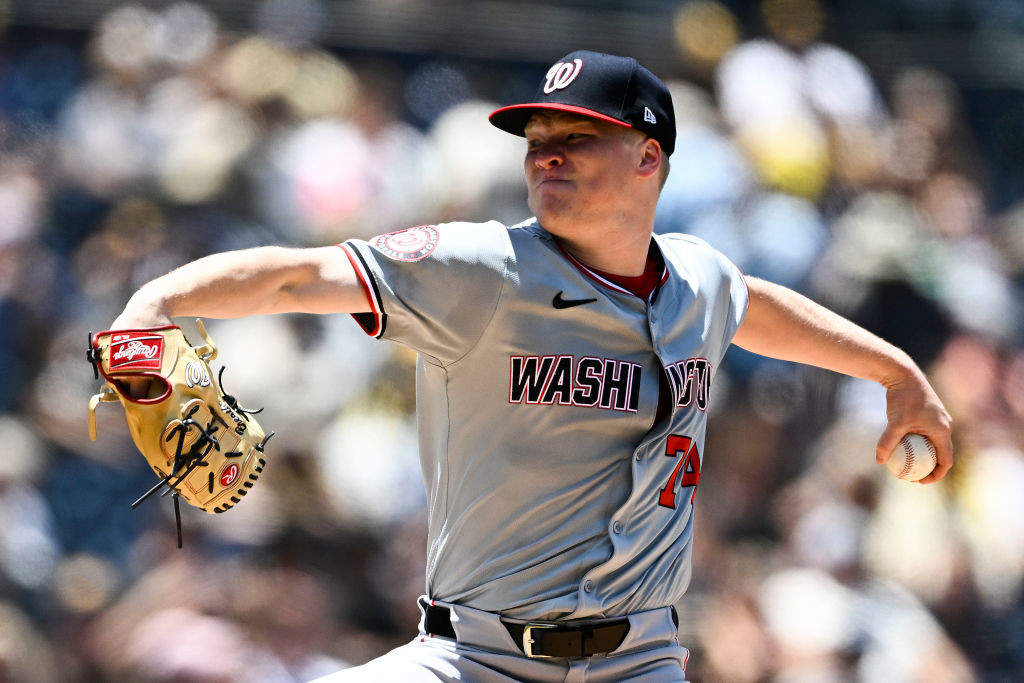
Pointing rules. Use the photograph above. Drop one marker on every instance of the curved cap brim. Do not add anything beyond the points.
(513, 118)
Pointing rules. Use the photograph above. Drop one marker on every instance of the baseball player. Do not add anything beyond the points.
(564, 377)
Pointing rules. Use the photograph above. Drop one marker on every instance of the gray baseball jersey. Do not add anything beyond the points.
(552, 493)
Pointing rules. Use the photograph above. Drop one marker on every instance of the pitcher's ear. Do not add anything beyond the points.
(651, 157)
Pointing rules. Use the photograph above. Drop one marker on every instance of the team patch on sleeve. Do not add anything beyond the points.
(411, 244)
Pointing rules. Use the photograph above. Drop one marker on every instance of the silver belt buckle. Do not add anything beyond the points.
(528, 640)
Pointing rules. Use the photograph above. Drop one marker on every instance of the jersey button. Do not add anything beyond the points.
(588, 586)
(617, 527)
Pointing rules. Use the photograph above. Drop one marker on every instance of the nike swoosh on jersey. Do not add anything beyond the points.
(560, 302)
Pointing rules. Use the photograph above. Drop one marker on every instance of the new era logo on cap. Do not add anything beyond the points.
(607, 87)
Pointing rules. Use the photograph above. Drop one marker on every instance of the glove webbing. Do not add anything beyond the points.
(194, 457)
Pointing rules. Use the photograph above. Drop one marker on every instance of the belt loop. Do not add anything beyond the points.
(437, 620)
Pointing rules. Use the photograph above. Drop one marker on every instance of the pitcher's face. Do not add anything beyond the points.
(578, 169)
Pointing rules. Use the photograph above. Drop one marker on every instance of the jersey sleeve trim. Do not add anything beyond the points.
(746, 288)
(374, 322)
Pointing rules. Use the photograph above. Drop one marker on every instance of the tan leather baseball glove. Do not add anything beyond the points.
(204, 446)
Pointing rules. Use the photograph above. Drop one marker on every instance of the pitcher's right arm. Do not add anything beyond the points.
(256, 281)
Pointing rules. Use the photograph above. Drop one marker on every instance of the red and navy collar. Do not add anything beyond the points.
(643, 286)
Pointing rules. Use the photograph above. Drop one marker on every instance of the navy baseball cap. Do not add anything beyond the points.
(602, 86)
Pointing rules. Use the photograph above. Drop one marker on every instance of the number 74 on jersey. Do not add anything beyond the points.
(686, 471)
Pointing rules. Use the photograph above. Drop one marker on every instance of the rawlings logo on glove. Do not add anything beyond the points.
(203, 445)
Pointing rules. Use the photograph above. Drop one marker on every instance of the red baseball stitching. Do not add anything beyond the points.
(908, 464)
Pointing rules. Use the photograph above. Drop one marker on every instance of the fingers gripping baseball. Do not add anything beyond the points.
(912, 407)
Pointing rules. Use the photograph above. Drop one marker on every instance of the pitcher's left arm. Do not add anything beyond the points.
(784, 324)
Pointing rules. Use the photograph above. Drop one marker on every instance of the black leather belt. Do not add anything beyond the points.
(544, 639)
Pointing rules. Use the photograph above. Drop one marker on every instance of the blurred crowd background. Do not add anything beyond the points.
(869, 153)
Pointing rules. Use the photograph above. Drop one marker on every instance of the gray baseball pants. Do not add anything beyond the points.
(484, 652)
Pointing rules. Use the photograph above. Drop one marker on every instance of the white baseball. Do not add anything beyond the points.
(913, 459)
